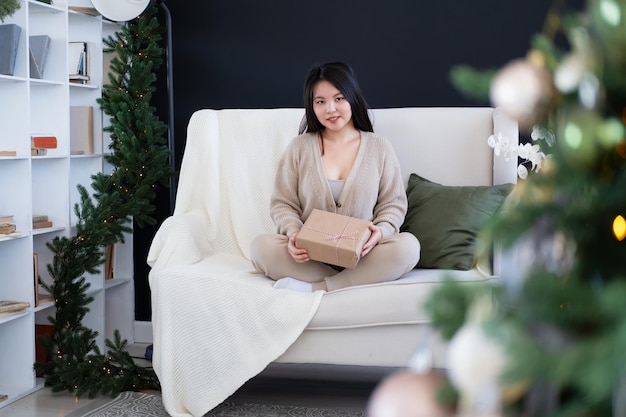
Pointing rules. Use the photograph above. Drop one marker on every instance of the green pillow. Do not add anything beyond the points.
(447, 219)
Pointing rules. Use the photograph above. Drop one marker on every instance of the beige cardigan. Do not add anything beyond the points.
(373, 191)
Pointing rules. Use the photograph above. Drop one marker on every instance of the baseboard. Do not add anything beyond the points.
(142, 331)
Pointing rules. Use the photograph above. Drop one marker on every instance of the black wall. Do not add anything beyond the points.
(255, 54)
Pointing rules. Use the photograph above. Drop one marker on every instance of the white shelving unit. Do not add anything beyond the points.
(47, 185)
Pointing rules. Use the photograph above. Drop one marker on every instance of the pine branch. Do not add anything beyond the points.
(8, 8)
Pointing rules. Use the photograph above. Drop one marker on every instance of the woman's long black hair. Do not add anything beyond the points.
(342, 77)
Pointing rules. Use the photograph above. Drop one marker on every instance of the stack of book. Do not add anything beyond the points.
(12, 307)
(78, 62)
(40, 221)
(7, 225)
(39, 144)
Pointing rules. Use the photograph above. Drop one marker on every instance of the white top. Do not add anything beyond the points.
(335, 187)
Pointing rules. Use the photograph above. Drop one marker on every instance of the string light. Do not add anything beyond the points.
(619, 227)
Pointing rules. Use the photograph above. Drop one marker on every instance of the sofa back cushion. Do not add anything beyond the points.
(447, 145)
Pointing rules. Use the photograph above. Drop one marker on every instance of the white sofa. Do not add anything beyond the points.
(365, 328)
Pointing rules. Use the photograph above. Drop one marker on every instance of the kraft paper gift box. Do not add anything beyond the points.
(334, 238)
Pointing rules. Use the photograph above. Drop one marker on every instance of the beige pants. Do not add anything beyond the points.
(387, 261)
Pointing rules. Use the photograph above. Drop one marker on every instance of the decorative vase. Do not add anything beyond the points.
(9, 43)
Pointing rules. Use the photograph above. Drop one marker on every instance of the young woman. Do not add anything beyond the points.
(336, 164)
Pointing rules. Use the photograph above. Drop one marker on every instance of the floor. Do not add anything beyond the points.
(269, 390)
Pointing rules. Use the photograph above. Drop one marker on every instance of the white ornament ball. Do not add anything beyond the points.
(570, 72)
(474, 359)
(408, 394)
(523, 90)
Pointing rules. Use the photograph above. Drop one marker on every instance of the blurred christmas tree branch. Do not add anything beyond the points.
(558, 316)
(472, 83)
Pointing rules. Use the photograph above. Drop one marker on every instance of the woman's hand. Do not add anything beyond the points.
(299, 255)
(375, 237)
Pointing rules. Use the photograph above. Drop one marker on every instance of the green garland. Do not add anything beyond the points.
(140, 160)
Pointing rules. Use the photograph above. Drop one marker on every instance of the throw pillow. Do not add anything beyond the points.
(447, 220)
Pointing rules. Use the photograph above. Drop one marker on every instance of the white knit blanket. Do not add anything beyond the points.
(216, 322)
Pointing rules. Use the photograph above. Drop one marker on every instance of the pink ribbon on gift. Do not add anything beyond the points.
(337, 237)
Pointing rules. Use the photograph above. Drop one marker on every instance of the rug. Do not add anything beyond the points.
(136, 404)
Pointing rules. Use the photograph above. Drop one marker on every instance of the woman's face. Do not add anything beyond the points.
(331, 107)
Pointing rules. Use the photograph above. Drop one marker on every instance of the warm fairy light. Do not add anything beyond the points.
(619, 228)
(620, 148)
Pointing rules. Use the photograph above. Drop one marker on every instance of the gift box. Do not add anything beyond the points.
(334, 238)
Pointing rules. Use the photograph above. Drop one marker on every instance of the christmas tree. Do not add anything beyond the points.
(550, 338)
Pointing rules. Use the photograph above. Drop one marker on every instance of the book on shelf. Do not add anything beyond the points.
(12, 307)
(79, 79)
(92, 11)
(74, 56)
(36, 276)
(43, 142)
(81, 130)
(42, 224)
(38, 52)
(40, 218)
(78, 60)
(8, 153)
(6, 218)
(7, 228)
(9, 44)
(38, 152)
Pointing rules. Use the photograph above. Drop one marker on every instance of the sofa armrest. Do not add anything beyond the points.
(180, 240)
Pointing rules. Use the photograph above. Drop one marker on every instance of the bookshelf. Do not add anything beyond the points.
(46, 184)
